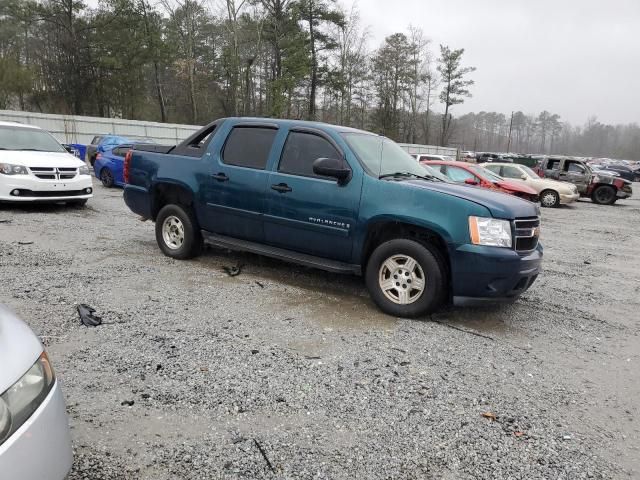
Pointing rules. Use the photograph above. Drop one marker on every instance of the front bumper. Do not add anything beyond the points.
(33, 189)
(624, 193)
(569, 198)
(41, 447)
(492, 272)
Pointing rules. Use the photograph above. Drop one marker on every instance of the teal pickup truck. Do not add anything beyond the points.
(337, 199)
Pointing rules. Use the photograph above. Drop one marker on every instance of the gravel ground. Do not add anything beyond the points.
(288, 372)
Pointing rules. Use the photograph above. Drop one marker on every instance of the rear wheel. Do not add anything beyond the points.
(604, 195)
(177, 232)
(106, 177)
(549, 198)
(406, 278)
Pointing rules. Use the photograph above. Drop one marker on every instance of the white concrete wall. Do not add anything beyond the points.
(77, 129)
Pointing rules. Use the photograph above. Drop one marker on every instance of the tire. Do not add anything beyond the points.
(177, 232)
(604, 195)
(549, 198)
(78, 203)
(106, 177)
(389, 260)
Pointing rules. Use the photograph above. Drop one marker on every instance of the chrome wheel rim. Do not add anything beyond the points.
(173, 232)
(548, 199)
(401, 279)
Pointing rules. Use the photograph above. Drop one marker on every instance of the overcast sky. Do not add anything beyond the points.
(577, 58)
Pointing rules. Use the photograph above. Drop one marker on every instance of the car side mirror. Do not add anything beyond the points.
(523, 177)
(332, 167)
(470, 181)
(68, 148)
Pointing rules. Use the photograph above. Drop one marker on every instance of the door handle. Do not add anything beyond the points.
(281, 187)
(221, 177)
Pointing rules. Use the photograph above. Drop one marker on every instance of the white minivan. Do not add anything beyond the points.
(34, 167)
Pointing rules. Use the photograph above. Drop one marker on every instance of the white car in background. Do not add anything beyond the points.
(35, 443)
(34, 167)
(421, 157)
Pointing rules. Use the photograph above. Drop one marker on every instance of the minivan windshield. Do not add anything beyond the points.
(28, 139)
(382, 157)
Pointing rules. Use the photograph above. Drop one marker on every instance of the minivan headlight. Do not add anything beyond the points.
(83, 170)
(24, 397)
(8, 169)
(491, 232)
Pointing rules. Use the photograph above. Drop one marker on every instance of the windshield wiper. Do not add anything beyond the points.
(426, 176)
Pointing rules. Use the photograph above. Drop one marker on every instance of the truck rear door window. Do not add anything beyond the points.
(249, 147)
(301, 150)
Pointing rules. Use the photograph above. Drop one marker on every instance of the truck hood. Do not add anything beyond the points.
(40, 159)
(501, 205)
(19, 348)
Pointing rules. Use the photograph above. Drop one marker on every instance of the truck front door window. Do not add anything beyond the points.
(301, 150)
(573, 167)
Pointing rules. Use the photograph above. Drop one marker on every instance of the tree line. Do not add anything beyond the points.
(191, 61)
(546, 133)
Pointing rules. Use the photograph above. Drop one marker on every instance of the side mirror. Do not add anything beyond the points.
(332, 167)
(470, 181)
(523, 177)
(68, 148)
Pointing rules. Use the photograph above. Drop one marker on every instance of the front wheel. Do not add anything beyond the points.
(604, 195)
(177, 232)
(549, 198)
(406, 278)
(106, 177)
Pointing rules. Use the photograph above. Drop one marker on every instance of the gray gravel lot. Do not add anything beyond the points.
(288, 372)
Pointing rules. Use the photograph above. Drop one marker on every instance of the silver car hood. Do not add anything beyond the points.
(19, 348)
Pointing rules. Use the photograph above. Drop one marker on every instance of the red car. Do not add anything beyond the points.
(462, 172)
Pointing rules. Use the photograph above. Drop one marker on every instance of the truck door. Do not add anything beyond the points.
(575, 172)
(234, 191)
(305, 212)
(551, 168)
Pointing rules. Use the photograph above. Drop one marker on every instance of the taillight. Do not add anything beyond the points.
(127, 166)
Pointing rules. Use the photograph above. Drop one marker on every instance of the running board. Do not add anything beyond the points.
(280, 253)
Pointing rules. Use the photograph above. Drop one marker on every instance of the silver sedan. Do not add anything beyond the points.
(35, 443)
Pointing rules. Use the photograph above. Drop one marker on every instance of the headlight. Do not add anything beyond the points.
(24, 397)
(490, 232)
(83, 170)
(8, 169)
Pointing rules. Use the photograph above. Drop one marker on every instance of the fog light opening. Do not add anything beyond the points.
(88, 190)
(15, 193)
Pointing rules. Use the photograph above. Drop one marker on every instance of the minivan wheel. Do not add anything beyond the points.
(106, 177)
(177, 233)
(604, 195)
(549, 198)
(405, 278)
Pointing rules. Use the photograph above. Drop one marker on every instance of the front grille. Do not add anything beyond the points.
(52, 173)
(46, 194)
(527, 233)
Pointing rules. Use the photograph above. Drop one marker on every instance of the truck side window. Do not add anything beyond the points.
(249, 147)
(553, 164)
(574, 167)
(301, 150)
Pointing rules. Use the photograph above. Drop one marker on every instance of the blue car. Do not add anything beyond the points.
(104, 143)
(108, 166)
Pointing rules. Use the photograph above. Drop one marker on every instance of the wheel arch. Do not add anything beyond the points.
(382, 230)
(165, 193)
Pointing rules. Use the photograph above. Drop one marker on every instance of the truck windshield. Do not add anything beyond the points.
(383, 157)
(31, 139)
